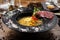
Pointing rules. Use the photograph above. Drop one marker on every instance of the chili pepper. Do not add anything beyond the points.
(34, 18)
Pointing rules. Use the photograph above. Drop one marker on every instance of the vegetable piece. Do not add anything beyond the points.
(34, 18)
(35, 10)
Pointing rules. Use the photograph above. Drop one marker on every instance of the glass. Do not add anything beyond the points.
(4, 4)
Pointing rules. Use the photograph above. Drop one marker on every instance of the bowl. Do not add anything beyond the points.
(56, 9)
(22, 12)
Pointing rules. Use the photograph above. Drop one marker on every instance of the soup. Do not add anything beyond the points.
(28, 21)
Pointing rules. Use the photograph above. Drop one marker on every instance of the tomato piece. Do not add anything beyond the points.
(34, 18)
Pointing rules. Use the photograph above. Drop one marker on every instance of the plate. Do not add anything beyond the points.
(56, 9)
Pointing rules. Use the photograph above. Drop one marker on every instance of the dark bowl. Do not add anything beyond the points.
(22, 12)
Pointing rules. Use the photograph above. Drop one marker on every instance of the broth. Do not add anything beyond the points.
(28, 21)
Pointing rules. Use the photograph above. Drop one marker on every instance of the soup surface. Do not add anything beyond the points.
(28, 21)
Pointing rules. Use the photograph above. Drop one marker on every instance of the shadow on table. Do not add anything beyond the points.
(31, 36)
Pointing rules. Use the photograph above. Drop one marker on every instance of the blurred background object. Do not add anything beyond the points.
(57, 2)
(24, 3)
(7, 4)
(4, 4)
